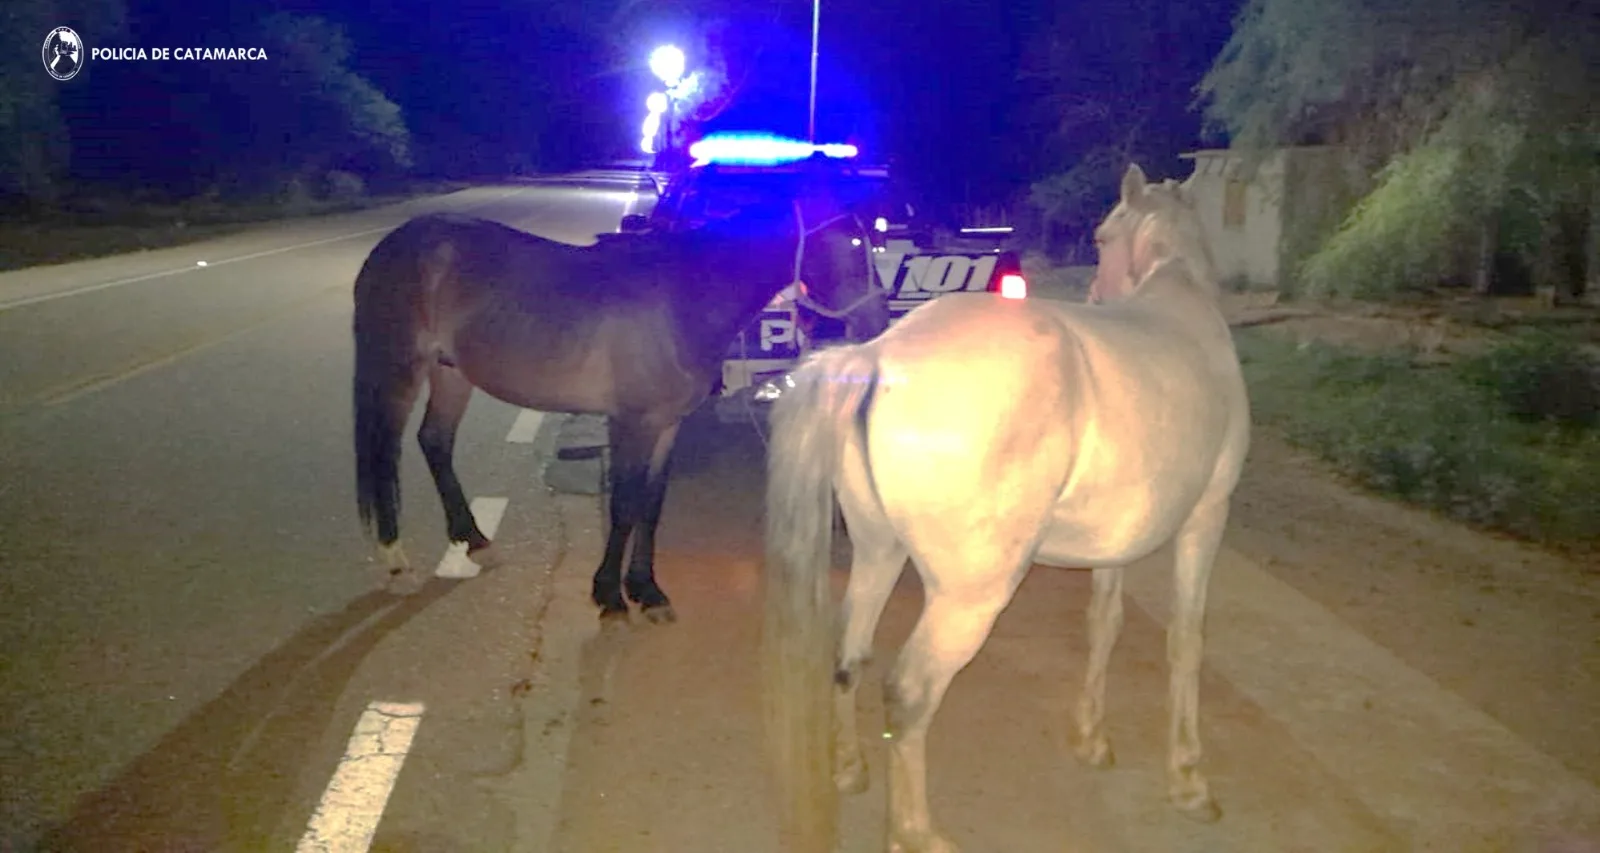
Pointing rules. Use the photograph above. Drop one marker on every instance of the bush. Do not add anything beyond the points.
(1541, 376)
(1443, 437)
(339, 185)
(292, 196)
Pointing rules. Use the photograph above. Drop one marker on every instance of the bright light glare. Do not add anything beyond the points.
(651, 127)
(656, 103)
(687, 86)
(881, 224)
(1013, 286)
(761, 149)
(667, 62)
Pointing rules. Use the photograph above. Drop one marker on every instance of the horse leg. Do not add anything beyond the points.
(640, 583)
(876, 563)
(955, 622)
(1196, 548)
(631, 445)
(1105, 626)
(448, 395)
(389, 416)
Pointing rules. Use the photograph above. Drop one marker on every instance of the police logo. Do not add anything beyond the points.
(63, 53)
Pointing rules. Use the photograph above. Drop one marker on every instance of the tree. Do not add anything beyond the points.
(1473, 117)
(1101, 87)
(35, 147)
(313, 113)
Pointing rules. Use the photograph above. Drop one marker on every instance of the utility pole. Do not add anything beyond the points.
(816, 21)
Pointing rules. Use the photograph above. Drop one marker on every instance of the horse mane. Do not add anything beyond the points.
(1169, 231)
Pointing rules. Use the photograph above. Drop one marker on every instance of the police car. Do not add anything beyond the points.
(913, 261)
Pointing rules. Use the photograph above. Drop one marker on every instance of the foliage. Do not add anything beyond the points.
(1441, 437)
(1467, 111)
(1098, 90)
(321, 113)
(344, 186)
(35, 147)
(1541, 376)
(1074, 200)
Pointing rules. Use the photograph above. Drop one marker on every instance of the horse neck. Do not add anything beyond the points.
(724, 290)
(1156, 248)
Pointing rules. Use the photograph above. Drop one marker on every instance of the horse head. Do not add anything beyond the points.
(1150, 224)
(815, 244)
(834, 275)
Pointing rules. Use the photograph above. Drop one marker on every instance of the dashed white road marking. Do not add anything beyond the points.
(456, 565)
(526, 427)
(348, 815)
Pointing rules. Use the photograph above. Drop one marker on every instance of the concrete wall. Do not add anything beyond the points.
(1262, 227)
(1242, 218)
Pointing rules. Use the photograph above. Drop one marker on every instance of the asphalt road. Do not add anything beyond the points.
(1376, 680)
(185, 590)
(191, 637)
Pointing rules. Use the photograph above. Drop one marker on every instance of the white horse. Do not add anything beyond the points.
(979, 436)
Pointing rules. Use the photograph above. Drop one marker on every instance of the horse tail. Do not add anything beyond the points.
(809, 422)
(385, 327)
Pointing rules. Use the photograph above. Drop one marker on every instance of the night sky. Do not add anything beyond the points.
(936, 88)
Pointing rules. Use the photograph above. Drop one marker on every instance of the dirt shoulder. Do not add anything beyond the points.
(1511, 628)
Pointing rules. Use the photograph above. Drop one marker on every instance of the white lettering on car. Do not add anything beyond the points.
(926, 276)
(776, 331)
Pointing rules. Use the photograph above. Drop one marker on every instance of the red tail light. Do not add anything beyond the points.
(1013, 286)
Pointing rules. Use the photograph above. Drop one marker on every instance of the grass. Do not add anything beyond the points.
(116, 226)
(1506, 441)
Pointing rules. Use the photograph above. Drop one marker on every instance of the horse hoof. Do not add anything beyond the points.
(1097, 754)
(929, 843)
(404, 581)
(487, 556)
(661, 614)
(614, 614)
(1201, 810)
(851, 779)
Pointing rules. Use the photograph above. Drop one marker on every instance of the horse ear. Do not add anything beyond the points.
(1133, 183)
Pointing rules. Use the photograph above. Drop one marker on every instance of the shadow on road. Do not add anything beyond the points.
(225, 779)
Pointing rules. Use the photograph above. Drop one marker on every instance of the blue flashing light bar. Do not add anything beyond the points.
(756, 149)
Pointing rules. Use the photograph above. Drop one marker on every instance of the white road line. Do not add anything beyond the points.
(206, 265)
(526, 427)
(353, 803)
(456, 565)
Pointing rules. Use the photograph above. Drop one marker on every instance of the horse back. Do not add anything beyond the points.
(1163, 425)
(1100, 429)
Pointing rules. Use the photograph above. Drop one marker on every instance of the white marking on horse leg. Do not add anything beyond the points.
(455, 564)
(876, 566)
(394, 556)
(348, 814)
(399, 576)
(526, 428)
(952, 629)
(1195, 550)
(1105, 626)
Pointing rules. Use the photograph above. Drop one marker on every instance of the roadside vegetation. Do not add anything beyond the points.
(1507, 439)
(70, 231)
(159, 154)
(1467, 131)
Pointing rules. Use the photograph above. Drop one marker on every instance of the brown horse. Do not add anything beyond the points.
(631, 328)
